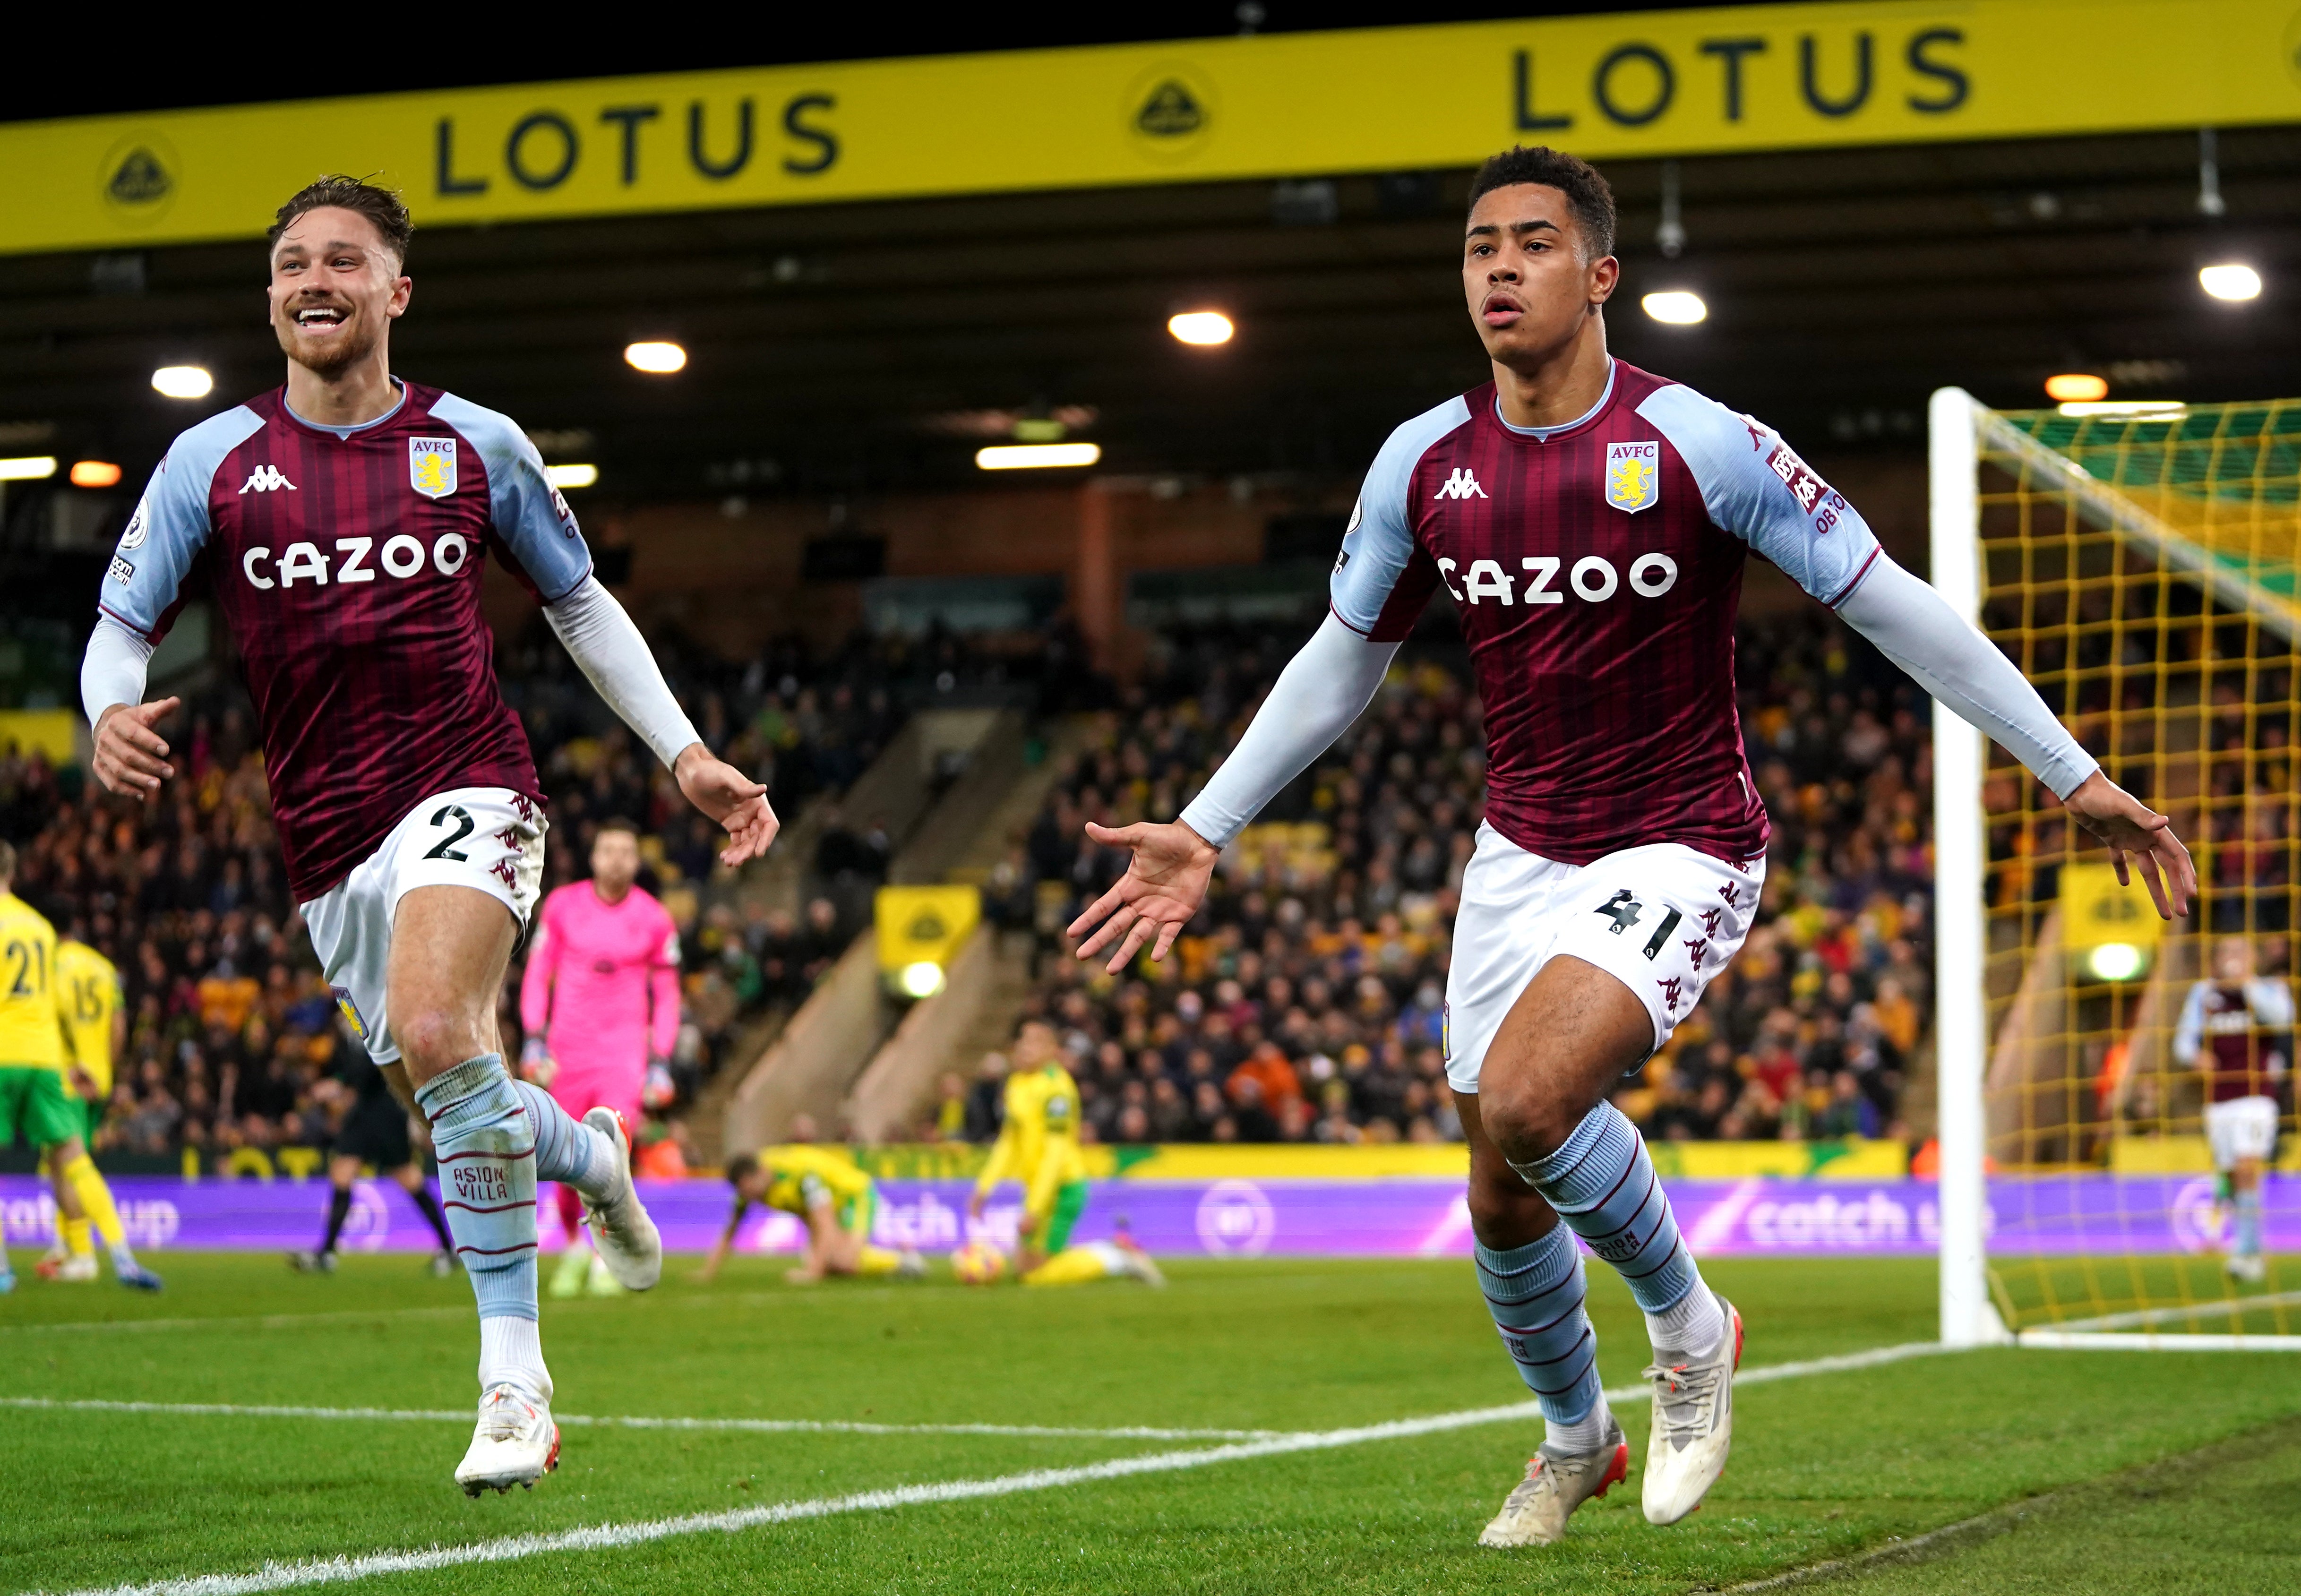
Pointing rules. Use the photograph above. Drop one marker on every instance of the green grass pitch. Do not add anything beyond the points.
(1825, 1466)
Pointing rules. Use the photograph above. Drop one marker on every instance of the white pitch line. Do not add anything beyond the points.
(766, 1427)
(2226, 1308)
(608, 1537)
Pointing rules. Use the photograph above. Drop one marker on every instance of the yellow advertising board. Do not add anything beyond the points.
(1299, 104)
(924, 925)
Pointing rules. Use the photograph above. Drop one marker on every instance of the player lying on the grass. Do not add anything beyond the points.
(371, 1132)
(94, 1029)
(1039, 1145)
(2235, 1028)
(344, 520)
(600, 1002)
(837, 1201)
(1590, 522)
(34, 1010)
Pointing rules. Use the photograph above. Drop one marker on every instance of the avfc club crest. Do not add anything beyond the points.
(431, 466)
(1634, 476)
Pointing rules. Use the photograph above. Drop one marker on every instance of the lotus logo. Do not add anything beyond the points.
(139, 180)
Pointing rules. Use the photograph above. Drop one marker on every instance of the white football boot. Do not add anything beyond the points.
(910, 1265)
(79, 1268)
(1692, 1425)
(2250, 1267)
(626, 1238)
(516, 1442)
(1536, 1511)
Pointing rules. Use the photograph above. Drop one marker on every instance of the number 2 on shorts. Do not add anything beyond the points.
(446, 847)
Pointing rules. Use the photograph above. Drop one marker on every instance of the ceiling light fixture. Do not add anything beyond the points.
(1036, 457)
(95, 474)
(183, 382)
(1205, 327)
(571, 476)
(27, 468)
(2076, 385)
(2230, 280)
(1677, 306)
(658, 357)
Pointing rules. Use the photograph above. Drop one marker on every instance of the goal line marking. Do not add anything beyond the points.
(2220, 1308)
(765, 1427)
(607, 1537)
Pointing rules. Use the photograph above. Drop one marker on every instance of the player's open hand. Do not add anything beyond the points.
(1162, 889)
(2113, 816)
(129, 756)
(732, 799)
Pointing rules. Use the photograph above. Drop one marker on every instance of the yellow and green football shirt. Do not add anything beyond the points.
(30, 1010)
(88, 999)
(1039, 1143)
(799, 1176)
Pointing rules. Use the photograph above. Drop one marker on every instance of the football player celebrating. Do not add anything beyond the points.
(344, 519)
(2233, 1028)
(1590, 520)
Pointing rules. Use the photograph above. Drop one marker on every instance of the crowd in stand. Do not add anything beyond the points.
(1305, 1003)
(231, 1028)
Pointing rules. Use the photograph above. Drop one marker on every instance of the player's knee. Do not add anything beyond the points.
(433, 1039)
(1529, 1118)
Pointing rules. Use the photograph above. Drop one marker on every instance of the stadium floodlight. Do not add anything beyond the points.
(2141, 410)
(1679, 307)
(183, 382)
(2115, 961)
(571, 476)
(1036, 457)
(921, 978)
(657, 357)
(1205, 327)
(2077, 387)
(27, 468)
(2230, 280)
(95, 474)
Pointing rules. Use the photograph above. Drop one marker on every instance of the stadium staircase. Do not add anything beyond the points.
(829, 1045)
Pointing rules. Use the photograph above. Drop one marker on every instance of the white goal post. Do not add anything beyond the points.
(2116, 1227)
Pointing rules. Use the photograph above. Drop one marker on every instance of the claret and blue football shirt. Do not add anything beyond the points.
(346, 563)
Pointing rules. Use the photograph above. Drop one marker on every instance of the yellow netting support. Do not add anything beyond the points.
(2141, 570)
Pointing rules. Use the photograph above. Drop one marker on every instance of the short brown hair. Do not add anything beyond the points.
(617, 822)
(7, 862)
(1587, 193)
(382, 206)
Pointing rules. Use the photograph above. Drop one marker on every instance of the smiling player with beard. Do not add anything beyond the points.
(1590, 520)
(343, 520)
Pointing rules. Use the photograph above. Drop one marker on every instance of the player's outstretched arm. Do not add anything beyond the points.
(1916, 628)
(130, 756)
(600, 637)
(1324, 687)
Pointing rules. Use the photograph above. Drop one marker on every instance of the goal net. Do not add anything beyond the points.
(2139, 564)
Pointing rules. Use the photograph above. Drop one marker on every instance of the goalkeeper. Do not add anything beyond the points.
(1038, 1145)
(837, 1200)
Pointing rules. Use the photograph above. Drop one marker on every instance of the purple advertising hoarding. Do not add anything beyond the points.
(1238, 1218)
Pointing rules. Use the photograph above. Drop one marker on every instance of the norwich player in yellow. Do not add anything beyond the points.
(94, 1026)
(1039, 1145)
(837, 1201)
(32, 1100)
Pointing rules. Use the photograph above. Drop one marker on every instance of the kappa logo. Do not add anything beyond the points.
(1634, 476)
(431, 466)
(265, 478)
(1669, 993)
(1463, 484)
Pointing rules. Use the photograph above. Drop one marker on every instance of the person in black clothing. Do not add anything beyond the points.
(373, 1132)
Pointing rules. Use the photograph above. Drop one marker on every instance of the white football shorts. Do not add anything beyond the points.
(1661, 919)
(2241, 1128)
(490, 838)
